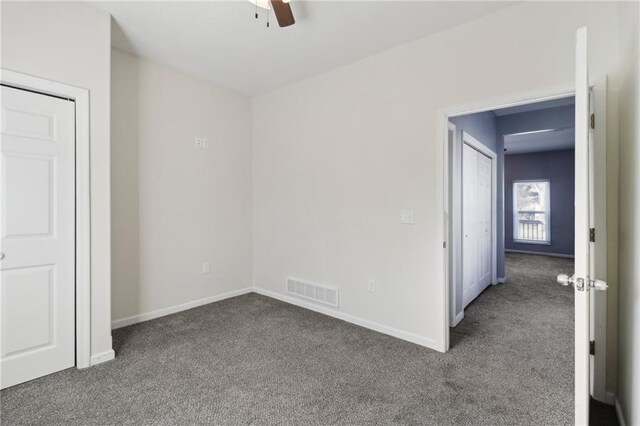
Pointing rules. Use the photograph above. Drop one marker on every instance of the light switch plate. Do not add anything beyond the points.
(371, 286)
(206, 267)
(407, 217)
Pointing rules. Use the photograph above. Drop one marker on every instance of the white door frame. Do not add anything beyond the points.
(82, 194)
(599, 89)
(452, 231)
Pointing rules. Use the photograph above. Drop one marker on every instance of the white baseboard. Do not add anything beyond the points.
(123, 322)
(540, 253)
(457, 319)
(102, 357)
(621, 419)
(400, 334)
(502, 280)
(610, 398)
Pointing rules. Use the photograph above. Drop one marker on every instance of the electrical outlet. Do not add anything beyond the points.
(205, 143)
(198, 142)
(206, 267)
(371, 286)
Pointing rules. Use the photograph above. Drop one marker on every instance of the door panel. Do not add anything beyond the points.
(37, 271)
(476, 222)
(26, 304)
(484, 213)
(27, 211)
(470, 258)
(583, 200)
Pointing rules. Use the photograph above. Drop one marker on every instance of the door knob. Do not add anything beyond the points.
(1, 256)
(564, 279)
(598, 285)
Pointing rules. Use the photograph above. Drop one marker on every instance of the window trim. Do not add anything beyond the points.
(514, 213)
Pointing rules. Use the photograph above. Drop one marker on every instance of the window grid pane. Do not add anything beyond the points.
(531, 211)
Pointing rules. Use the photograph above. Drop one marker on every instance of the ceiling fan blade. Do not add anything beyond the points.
(283, 13)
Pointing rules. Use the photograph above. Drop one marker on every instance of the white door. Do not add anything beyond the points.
(484, 219)
(476, 223)
(37, 277)
(581, 279)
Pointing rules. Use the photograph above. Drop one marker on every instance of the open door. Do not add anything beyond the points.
(584, 202)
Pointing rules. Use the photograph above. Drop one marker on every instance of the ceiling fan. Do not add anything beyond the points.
(281, 9)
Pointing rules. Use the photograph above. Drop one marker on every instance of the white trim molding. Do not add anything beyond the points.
(610, 398)
(332, 312)
(103, 357)
(451, 234)
(134, 319)
(384, 329)
(540, 253)
(83, 196)
(619, 412)
(457, 319)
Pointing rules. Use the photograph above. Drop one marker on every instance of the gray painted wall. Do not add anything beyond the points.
(558, 167)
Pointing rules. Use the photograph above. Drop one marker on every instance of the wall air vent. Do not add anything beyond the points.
(315, 292)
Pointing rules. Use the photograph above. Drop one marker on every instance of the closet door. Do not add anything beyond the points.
(37, 263)
(484, 219)
(470, 249)
(476, 223)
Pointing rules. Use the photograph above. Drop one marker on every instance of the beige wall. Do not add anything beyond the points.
(71, 43)
(338, 156)
(334, 160)
(175, 206)
(628, 393)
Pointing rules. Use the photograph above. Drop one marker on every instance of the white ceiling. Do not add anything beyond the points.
(222, 42)
(548, 140)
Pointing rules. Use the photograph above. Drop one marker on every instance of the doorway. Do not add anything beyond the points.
(452, 253)
(520, 200)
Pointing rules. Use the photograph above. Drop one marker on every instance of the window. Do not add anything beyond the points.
(532, 211)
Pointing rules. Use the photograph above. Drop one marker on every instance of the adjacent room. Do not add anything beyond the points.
(314, 212)
(511, 187)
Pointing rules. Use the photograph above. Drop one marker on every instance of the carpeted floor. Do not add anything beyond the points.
(255, 360)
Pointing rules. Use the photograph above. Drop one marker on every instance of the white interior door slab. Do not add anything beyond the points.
(584, 196)
(583, 201)
(476, 223)
(470, 258)
(484, 219)
(37, 278)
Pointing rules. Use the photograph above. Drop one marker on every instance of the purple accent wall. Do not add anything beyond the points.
(558, 167)
(548, 118)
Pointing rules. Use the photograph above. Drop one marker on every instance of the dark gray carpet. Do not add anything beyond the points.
(255, 360)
